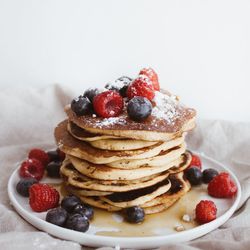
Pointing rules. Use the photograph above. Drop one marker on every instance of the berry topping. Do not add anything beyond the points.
(205, 211)
(53, 155)
(209, 174)
(81, 106)
(139, 108)
(32, 168)
(24, 185)
(120, 85)
(222, 186)
(40, 155)
(151, 74)
(77, 222)
(57, 216)
(61, 154)
(141, 86)
(69, 203)
(134, 214)
(194, 175)
(43, 197)
(53, 169)
(91, 93)
(108, 104)
(196, 161)
(84, 210)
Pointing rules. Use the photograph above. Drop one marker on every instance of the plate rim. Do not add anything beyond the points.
(136, 242)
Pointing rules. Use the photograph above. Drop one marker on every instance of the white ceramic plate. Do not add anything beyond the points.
(163, 233)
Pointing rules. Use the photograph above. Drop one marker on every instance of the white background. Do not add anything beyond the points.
(200, 49)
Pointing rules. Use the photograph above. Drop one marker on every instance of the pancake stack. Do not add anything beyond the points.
(115, 163)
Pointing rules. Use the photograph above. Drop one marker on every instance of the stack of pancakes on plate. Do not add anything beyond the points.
(116, 163)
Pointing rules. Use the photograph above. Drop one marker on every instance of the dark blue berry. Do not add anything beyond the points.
(139, 108)
(69, 203)
(84, 210)
(81, 106)
(77, 222)
(91, 93)
(134, 214)
(53, 155)
(23, 186)
(53, 169)
(209, 174)
(57, 216)
(194, 175)
(120, 85)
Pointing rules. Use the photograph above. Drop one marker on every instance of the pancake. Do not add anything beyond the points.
(168, 120)
(71, 146)
(117, 145)
(137, 197)
(164, 157)
(179, 187)
(84, 135)
(103, 172)
(75, 179)
(84, 192)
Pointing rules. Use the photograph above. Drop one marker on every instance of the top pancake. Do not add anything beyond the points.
(168, 119)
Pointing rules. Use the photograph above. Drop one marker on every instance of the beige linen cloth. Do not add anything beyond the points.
(28, 117)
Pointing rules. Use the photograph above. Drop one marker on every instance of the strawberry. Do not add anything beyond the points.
(40, 155)
(32, 168)
(205, 211)
(195, 162)
(141, 86)
(151, 74)
(43, 197)
(222, 186)
(108, 104)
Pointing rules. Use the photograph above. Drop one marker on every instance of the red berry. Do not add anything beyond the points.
(40, 155)
(195, 162)
(222, 186)
(32, 168)
(43, 197)
(108, 104)
(141, 86)
(205, 211)
(151, 74)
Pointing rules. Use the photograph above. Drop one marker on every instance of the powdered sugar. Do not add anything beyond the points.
(110, 121)
(165, 107)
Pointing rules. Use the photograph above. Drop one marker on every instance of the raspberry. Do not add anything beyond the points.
(222, 186)
(40, 155)
(195, 162)
(205, 211)
(108, 104)
(32, 168)
(43, 197)
(141, 86)
(151, 74)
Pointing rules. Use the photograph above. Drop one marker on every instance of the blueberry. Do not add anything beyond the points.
(23, 186)
(134, 214)
(91, 93)
(84, 210)
(139, 108)
(69, 203)
(53, 155)
(77, 222)
(194, 175)
(209, 174)
(120, 85)
(81, 106)
(57, 216)
(53, 169)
